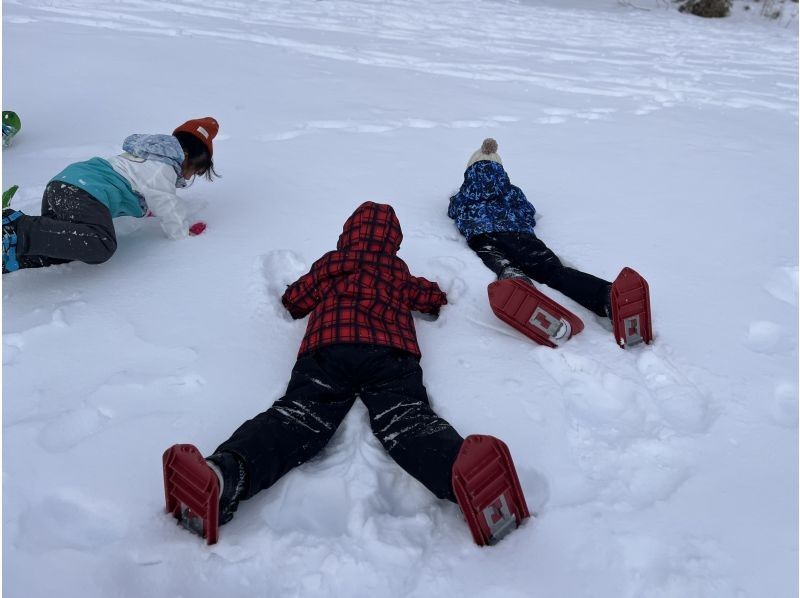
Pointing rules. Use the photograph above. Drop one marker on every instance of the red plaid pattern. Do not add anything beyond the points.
(363, 292)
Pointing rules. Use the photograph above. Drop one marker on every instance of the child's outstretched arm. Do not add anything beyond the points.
(302, 295)
(163, 201)
(425, 296)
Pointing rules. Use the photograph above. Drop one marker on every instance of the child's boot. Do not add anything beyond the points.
(512, 272)
(232, 480)
(10, 261)
(607, 302)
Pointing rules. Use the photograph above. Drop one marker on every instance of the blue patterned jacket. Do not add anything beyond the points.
(488, 203)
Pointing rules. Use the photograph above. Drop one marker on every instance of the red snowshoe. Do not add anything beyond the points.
(520, 305)
(630, 309)
(487, 489)
(191, 489)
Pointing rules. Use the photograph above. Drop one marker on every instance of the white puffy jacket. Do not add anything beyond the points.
(156, 182)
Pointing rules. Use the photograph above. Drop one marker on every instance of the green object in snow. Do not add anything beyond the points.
(8, 194)
(11, 119)
(11, 126)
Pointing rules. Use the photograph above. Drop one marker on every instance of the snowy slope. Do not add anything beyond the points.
(644, 138)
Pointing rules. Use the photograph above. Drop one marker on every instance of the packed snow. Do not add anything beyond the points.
(644, 137)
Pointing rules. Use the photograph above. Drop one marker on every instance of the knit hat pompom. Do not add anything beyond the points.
(487, 151)
(489, 146)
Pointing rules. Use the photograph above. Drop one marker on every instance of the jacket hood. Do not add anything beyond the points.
(161, 148)
(487, 180)
(372, 227)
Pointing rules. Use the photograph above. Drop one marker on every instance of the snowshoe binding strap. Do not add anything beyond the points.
(523, 307)
(557, 329)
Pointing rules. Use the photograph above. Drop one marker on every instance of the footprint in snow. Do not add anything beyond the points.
(649, 471)
(594, 397)
(681, 405)
(622, 461)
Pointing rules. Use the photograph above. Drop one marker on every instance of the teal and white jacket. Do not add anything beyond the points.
(142, 179)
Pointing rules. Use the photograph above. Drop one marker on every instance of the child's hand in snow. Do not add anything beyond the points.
(428, 317)
(453, 286)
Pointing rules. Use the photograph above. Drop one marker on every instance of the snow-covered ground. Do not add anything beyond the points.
(645, 138)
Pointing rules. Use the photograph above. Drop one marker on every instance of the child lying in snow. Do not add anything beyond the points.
(360, 341)
(498, 221)
(79, 203)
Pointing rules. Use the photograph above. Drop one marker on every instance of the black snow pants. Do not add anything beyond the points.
(324, 386)
(74, 226)
(526, 253)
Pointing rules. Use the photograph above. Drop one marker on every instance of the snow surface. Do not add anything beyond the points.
(645, 138)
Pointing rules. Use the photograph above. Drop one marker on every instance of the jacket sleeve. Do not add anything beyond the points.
(425, 296)
(164, 203)
(302, 295)
(159, 193)
(451, 207)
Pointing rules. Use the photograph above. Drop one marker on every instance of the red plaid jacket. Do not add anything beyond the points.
(363, 292)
